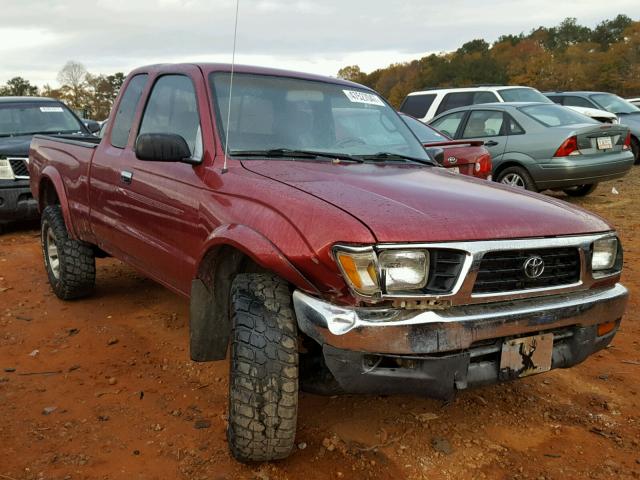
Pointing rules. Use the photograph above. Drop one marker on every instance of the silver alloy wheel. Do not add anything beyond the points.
(52, 253)
(514, 180)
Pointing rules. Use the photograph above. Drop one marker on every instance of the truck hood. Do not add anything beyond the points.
(15, 146)
(410, 203)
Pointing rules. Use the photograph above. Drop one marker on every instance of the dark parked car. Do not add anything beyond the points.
(20, 119)
(628, 113)
(541, 146)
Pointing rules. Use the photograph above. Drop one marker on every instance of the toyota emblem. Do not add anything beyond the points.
(533, 266)
(452, 160)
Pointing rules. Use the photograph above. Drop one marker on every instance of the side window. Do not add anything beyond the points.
(571, 101)
(484, 123)
(484, 97)
(514, 127)
(126, 111)
(173, 108)
(417, 105)
(557, 99)
(449, 123)
(455, 100)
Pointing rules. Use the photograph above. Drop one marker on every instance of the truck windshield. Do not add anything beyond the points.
(29, 118)
(523, 94)
(271, 113)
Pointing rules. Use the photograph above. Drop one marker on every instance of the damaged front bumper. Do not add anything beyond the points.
(435, 352)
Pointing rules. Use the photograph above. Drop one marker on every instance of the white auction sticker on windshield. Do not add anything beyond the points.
(363, 97)
(51, 109)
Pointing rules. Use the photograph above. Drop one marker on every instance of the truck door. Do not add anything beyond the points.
(158, 202)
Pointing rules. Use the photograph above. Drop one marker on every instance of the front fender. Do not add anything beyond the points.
(260, 249)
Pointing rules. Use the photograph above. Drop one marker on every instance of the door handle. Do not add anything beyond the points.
(491, 143)
(126, 177)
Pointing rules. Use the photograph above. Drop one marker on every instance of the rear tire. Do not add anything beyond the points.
(70, 264)
(263, 379)
(581, 190)
(517, 177)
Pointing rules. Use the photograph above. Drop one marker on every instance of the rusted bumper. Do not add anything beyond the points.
(416, 332)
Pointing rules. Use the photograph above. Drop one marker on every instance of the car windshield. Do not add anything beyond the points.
(28, 118)
(272, 113)
(613, 103)
(553, 115)
(424, 133)
(523, 94)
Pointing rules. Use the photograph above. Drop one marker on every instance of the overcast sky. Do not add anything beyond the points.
(321, 36)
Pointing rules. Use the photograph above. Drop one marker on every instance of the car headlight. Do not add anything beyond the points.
(6, 173)
(359, 270)
(404, 269)
(605, 252)
(391, 271)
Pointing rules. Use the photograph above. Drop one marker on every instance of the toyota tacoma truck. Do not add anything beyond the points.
(320, 251)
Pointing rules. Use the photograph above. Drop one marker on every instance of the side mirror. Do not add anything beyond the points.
(162, 147)
(92, 126)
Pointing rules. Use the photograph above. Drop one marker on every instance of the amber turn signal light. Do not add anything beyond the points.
(605, 328)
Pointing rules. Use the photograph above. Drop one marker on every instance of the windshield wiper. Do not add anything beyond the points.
(293, 153)
(398, 156)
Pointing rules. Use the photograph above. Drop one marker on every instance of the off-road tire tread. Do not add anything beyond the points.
(263, 380)
(77, 276)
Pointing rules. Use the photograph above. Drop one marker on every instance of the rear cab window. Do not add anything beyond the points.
(127, 110)
(553, 115)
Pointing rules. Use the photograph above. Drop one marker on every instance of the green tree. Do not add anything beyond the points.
(351, 73)
(18, 87)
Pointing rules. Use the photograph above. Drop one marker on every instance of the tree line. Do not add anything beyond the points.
(91, 96)
(566, 57)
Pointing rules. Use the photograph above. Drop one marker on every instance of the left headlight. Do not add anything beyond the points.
(605, 253)
(6, 173)
(391, 271)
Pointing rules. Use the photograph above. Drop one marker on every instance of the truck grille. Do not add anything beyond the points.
(445, 270)
(504, 271)
(19, 167)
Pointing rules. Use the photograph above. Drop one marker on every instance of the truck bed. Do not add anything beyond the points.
(70, 156)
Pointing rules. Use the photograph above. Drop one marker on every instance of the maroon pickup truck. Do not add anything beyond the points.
(321, 246)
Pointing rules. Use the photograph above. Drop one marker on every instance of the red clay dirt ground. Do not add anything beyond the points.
(124, 400)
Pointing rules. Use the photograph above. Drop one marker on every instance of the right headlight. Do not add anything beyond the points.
(391, 271)
(604, 254)
(6, 172)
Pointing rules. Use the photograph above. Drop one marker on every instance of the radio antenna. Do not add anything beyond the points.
(233, 64)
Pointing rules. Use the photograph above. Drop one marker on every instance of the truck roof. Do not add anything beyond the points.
(226, 67)
(27, 99)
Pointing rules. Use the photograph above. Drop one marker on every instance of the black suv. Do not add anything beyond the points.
(20, 119)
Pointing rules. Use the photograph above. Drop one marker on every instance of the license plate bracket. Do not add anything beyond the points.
(604, 143)
(526, 356)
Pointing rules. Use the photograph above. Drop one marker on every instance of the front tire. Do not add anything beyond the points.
(263, 379)
(581, 190)
(517, 177)
(70, 264)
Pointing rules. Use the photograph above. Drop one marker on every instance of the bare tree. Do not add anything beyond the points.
(73, 81)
